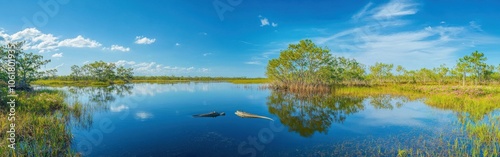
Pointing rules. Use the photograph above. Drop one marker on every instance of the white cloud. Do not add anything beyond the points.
(374, 40)
(265, 22)
(144, 40)
(153, 68)
(394, 9)
(57, 55)
(204, 70)
(58, 66)
(79, 42)
(207, 54)
(117, 48)
(442, 22)
(177, 44)
(36, 40)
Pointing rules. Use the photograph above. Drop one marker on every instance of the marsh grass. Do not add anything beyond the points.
(41, 125)
(478, 131)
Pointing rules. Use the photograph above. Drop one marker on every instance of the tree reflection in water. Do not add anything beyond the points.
(95, 99)
(307, 113)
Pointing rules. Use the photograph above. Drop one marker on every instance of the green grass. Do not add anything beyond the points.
(479, 130)
(41, 125)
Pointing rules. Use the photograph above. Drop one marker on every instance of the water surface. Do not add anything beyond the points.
(156, 120)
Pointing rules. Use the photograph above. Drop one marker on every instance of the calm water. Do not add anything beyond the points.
(156, 120)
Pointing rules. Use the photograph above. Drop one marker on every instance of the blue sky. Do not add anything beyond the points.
(237, 38)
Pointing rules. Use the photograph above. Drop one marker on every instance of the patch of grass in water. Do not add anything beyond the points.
(41, 125)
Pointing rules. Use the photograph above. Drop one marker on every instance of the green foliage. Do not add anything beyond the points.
(474, 64)
(101, 71)
(305, 65)
(27, 65)
(41, 125)
(381, 72)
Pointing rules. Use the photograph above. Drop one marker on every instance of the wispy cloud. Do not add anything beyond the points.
(394, 9)
(362, 12)
(262, 58)
(57, 55)
(36, 40)
(58, 66)
(177, 44)
(475, 26)
(207, 54)
(144, 40)
(117, 48)
(377, 37)
(254, 62)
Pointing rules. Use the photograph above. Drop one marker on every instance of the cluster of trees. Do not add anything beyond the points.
(305, 65)
(101, 71)
(470, 69)
(27, 66)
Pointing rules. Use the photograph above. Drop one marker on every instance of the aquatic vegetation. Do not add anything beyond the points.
(41, 125)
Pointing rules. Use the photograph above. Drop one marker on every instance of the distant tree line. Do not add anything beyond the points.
(307, 66)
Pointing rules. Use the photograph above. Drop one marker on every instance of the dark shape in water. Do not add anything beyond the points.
(211, 114)
(248, 115)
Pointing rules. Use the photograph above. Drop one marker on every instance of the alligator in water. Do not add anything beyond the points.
(211, 114)
(248, 115)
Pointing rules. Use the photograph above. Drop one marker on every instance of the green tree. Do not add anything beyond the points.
(426, 75)
(381, 72)
(124, 74)
(441, 73)
(76, 72)
(28, 65)
(351, 70)
(400, 73)
(476, 64)
(463, 67)
(302, 64)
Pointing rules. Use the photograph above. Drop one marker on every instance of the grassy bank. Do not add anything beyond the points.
(41, 119)
(477, 101)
